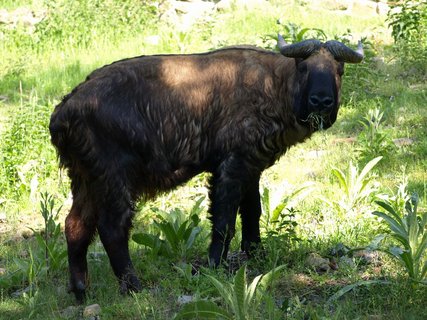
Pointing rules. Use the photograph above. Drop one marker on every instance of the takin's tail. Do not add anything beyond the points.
(59, 128)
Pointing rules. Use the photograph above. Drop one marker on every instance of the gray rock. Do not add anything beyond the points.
(367, 257)
(185, 299)
(92, 311)
(401, 142)
(316, 262)
(69, 312)
(346, 262)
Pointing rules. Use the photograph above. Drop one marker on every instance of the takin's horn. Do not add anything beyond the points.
(301, 49)
(343, 53)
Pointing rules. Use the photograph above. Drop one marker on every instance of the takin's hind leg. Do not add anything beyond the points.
(113, 227)
(79, 232)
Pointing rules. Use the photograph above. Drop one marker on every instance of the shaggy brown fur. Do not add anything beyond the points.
(145, 125)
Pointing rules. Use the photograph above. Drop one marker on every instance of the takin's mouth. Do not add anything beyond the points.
(317, 121)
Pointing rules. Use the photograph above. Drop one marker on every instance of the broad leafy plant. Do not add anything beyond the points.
(408, 22)
(408, 229)
(357, 187)
(278, 222)
(373, 141)
(292, 33)
(241, 298)
(175, 232)
(271, 216)
(295, 33)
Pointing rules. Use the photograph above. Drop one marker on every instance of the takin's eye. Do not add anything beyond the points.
(302, 67)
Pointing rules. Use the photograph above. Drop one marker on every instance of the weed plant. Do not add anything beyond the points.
(373, 140)
(175, 233)
(408, 22)
(38, 66)
(241, 299)
(407, 227)
(26, 155)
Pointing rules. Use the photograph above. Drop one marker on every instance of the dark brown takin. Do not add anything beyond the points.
(144, 125)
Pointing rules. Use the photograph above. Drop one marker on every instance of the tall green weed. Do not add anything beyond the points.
(26, 155)
(408, 22)
(79, 23)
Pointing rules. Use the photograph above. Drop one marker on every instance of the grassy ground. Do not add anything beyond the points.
(38, 68)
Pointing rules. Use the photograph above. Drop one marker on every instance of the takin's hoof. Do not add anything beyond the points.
(130, 284)
(254, 250)
(79, 290)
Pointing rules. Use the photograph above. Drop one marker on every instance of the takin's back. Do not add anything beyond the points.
(176, 114)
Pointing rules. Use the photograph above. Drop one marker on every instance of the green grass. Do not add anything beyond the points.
(37, 69)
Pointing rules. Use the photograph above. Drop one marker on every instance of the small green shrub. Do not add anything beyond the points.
(49, 256)
(408, 21)
(241, 299)
(80, 23)
(356, 188)
(408, 228)
(26, 155)
(279, 223)
(174, 232)
(292, 33)
(373, 141)
(50, 239)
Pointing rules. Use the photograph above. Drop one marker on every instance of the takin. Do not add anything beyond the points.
(142, 126)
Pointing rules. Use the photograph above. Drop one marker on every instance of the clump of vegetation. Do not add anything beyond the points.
(357, 188)
(39, 65)
(174, 232)
(69, 24)
(408, 22)
(241, 298)
(373, 140)
(26, 155)
(408, 228)
(46, 258)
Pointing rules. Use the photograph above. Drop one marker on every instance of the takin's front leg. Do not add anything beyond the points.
(113, 227)
(227, 186)
(250, 212)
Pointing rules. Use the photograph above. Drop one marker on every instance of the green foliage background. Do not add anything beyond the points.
(311, 201)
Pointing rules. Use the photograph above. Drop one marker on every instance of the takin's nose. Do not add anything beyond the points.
(321, 103)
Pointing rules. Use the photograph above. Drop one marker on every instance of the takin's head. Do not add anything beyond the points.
(319, 67)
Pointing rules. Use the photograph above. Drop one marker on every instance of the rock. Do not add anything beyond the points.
(367, 257)
(225, 5)
(21, 16)
(401, 142)
(3, 217)
(349, 140)
(185, 299)
(26, 233)
(69, 312)
(98, 256)
(153, 40)
(339, 250)
(92, 311)
(315, 154)
(316, 262)
(346, 262)
(19, 293)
